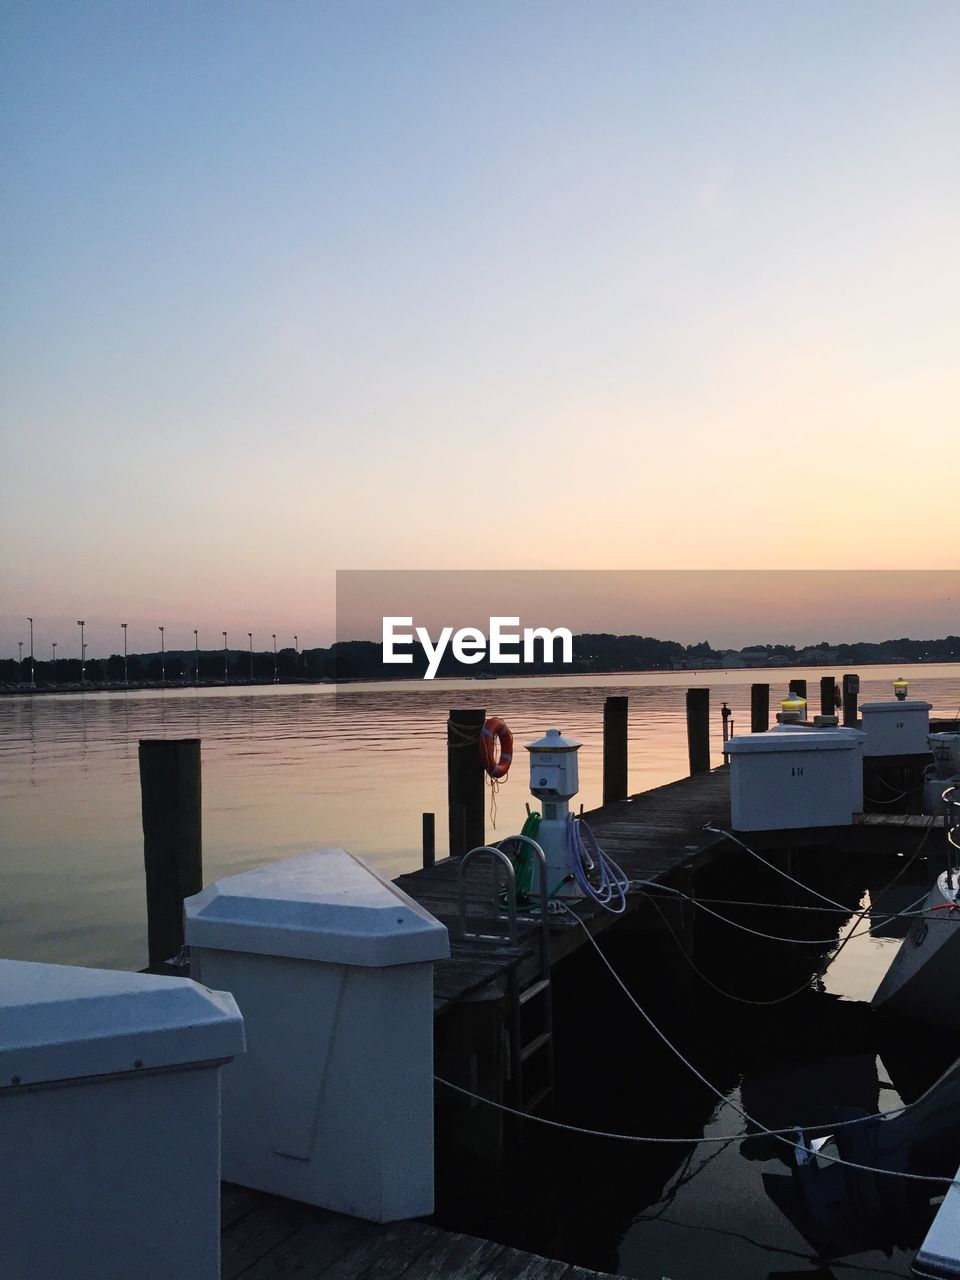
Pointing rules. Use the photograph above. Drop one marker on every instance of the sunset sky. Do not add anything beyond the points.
(292, 287)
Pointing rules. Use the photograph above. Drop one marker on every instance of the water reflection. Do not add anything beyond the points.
(289, 769)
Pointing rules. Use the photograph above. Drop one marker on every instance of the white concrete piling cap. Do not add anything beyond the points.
(327, 906)
(62, 1022)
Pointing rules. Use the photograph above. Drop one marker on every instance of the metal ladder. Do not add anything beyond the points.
(531, 1008)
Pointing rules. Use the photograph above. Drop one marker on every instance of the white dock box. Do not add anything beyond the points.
(791, 779)
(896, 728)
(110, 1123)
(332, 967)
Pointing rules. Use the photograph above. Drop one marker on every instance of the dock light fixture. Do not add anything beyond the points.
(196, 658)
(163, 658)
(250, 638)
(123, 627)
(226, 675)
(83, 650)
(793, 708)
(900, 687)
(32, 679)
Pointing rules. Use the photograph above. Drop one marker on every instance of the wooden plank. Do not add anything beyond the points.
(258, 1233)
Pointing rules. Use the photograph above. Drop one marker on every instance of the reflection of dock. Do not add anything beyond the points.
(265, 1238)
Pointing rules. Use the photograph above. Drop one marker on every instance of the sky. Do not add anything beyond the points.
(296, 287)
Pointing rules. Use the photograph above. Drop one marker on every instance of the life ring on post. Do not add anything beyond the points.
(496, 767)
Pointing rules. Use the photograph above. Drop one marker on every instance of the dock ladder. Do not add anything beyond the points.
(530, 1006)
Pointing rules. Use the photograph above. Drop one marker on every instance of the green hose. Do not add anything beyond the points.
(523, 859)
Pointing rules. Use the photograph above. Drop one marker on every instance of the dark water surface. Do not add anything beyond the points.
(294, 768)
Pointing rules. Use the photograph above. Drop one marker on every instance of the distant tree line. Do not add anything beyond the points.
(362, 660)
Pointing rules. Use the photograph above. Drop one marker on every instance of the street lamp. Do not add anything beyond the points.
(54, 662)
(226, 677)
(250, 637)
(275, 678)
(83, 650)
(125, 680)
(32, 680)
(20, 643)
(196, 658)
(163, 658)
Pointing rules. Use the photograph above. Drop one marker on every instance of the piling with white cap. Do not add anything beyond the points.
(110, 1115)
(332, 967)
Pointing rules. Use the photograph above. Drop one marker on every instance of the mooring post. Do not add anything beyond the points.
(759, 708)
(465, 775)
(429, 840)
(851, 694)
(828, 706)
(458, 831)
(698, 729)
(614, 749)
(799, 687)
(172, 847)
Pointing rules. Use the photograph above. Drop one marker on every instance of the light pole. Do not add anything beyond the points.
(54, 662)
(296, 651)
(32, 680)
(20, 643)
(196, 659)
(275, 677)
(250, 637)
(83, 650)
(125, 680)
(163, 658)
(226, 677)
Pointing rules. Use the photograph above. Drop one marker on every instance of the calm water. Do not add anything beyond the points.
(292, 769)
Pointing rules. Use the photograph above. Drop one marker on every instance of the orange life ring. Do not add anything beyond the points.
(494, 727)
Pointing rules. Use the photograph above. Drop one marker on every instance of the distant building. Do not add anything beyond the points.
(732, 659)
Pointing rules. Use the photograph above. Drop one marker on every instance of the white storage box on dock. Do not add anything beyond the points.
(791, 778)
(332, 967)
(109, 1116)
(896, 728)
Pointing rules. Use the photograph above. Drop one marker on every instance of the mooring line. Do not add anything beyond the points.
(744, 1115)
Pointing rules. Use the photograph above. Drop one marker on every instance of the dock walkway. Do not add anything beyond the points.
(651, 835)
(654, 835)
(268, 1238)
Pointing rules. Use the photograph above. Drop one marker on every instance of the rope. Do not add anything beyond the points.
(805, 986)
(799, 883)
(724, 1100)
(636, 1137)
(774, 937)
(464, 737)
(494, 791)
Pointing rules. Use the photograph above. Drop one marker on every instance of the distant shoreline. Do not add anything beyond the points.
(157, 686)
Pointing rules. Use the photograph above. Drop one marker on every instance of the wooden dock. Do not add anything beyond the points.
(659, 836)
(651, 835)
(268, 1238)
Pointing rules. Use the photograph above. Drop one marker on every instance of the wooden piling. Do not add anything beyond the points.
(698, 729)
(172, 846)
(458, 831)
(828, 706)
(429, 840)
(851, 694)
(759, 708)
(614, 749)
(799, 687)
(465, 775)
